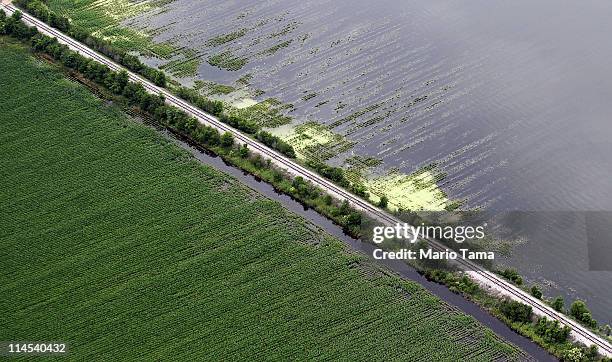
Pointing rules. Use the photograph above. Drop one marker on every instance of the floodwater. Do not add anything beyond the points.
(511, 99)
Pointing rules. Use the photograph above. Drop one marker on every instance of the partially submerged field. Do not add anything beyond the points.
(271, 63)
(119, 243)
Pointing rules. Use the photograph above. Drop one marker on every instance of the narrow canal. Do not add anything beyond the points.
(396, 266)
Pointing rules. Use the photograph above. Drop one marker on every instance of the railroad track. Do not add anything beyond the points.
(478, 272)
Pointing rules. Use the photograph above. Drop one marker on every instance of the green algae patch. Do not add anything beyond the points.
(268, 113)
(417, 191)
(314, 141)
(213, 88)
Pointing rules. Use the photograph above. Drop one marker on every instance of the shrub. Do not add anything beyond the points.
(558, 304)
(516, 311)
(552, 330)
(227, 140)
(275, 143)
(573, 355)
(243, 152)
(536, 292)
(512, 275)
(580, 311)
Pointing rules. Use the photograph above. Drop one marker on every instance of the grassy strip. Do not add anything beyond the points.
(118, 242)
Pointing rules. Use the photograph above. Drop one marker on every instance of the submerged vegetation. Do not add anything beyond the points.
(225, 38)
(272, 50)
(185, 65)
(268, 113)
(226, 60)
(212, 88)
(311, 141)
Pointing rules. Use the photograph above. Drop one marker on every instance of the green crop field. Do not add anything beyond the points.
(118, 242)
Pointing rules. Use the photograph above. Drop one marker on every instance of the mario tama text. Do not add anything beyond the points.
(430, 254)
(409, 234)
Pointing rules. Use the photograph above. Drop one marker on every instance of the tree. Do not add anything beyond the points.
(516, 311)
(119, 82)
(344, 207)
(512, 275)
(60, 22)
(536, 292)
(227, 140)
(558, 304)
(2, 22)
(335, 174)
(580, 311)
(384, 202)
(17, 15)
(17, 28)
(573, 355)
(353, 218)
(359, 189)
(158, 77)
(243, 152)
(591, 353)
(273, 142)
(38, 9)
(206, 135)
(552, 330)
(578, 308)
